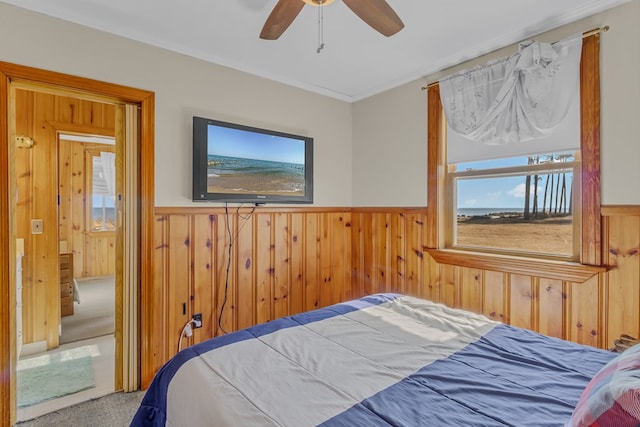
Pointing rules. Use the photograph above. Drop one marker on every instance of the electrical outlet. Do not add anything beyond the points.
(197, 320)
(36, 226)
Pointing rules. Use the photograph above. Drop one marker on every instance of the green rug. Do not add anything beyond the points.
(53, 375)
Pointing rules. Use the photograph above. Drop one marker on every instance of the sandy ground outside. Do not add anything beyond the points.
(256, 183)
(550, 235)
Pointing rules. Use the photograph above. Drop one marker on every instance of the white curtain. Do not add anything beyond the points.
(517, 98)
(109, 170)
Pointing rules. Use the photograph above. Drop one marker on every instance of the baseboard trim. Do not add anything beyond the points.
(33, 348)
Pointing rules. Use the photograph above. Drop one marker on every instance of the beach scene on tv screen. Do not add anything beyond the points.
(245, 162)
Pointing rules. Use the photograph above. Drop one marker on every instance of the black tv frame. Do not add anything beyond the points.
(200, 191)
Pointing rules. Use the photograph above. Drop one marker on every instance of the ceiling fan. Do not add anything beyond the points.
(377, 13)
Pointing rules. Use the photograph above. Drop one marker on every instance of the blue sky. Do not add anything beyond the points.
(492, 193)
(505, 192)
(231, 142)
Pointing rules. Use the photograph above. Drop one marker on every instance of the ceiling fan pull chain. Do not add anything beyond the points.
(320, 27)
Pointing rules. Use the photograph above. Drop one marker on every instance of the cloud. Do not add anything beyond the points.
(519, 191)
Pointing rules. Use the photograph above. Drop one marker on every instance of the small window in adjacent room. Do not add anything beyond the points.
(101, 202)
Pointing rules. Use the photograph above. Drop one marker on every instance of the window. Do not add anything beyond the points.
(581, 173)
(101, 210)
(517, 204)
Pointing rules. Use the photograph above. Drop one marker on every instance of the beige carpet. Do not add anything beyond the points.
(94, 315)
(113, 410)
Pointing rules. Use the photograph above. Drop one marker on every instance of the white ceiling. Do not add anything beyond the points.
(356, 61)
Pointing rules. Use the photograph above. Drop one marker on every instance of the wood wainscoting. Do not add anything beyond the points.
(286, 260)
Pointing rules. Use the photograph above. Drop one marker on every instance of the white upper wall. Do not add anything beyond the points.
(390, 148)
(371, 153)
(185, 87)
(390, 160)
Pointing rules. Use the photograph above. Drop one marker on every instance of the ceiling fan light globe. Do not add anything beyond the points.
(318, 2)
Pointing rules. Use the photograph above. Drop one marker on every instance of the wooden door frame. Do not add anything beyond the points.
(146, 100)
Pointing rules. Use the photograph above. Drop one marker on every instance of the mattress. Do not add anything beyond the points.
(385, 359)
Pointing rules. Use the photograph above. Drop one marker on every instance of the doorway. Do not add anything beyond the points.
(127, 359)
(80, 366)
(87, 227)
(66, 186)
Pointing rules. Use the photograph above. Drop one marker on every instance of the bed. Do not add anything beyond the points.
(385, 360)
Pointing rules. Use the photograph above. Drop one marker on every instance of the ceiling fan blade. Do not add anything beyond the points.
(378, 14)
(282, 15)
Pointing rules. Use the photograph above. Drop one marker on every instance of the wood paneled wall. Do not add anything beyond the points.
(284, 261)
(243, 268)
(40, 116)
(620, 294)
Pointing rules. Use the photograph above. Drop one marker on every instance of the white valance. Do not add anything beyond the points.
(109, 169)
(104, 174)
(518, 98)
(565, 137)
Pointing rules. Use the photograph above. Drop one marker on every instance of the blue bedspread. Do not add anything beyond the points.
(381, 360)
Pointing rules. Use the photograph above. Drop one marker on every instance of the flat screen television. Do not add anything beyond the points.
(244, 164)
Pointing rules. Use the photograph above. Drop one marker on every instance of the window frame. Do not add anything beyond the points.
(589, 222)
